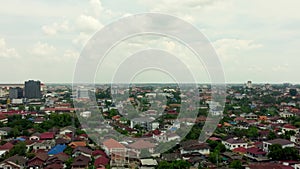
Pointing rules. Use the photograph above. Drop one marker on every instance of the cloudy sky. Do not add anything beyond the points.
(255, 40)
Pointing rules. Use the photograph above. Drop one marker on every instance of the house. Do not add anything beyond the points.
(171, 156)
(148, 163)
(3, 119)
(98, 153)
(262, 118)
(4, 131)
(257, 154)
(38, 161)
(140, 145)
(47, 136)
(75, 144)
(101, 162)
(286, 114)
(54, 166)
(59, 148)
(240, 150)
(29, 144)
(233, 143)
(82, 151)
(284, 143)
(249, 116)
(143, 122)
(6, 147)
(44, 145)
(267, 166)
(14, 162)
(231, 156)
(35, 137)
(194, 146)
(111, 144)
(61, 141)
(80, 162)
(116, 151)
(67, 130)
(295, 139)
(166, 137)
(56, 161)
(288, 127)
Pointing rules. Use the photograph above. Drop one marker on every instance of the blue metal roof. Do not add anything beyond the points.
(57, 149)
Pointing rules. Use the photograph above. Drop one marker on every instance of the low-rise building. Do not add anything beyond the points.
(283, 142)
(233, 143)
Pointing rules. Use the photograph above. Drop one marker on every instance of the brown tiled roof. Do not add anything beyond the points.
(268, 166)
(235, 141)
(141, 144)
(193, 145)
(54, 166)
(7, 146)
(43, 156)
(279, 141)
(83, 149)
(111, 143)
(81, 161)
(77, 143)
(17, 160)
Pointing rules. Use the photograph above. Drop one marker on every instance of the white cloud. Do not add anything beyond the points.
(43, 49)
(88, 23)
(56, 27)
(6, 52)
(97, 7)
(70, 54)
(81, 39)
(230, 48)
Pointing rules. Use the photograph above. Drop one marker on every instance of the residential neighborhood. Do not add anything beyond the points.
(259, 128)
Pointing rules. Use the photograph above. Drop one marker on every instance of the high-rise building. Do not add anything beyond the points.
(33, 89)
(249, 84)
(15, 93)
(82, 93)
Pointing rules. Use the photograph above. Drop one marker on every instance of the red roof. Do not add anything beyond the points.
(47, 135)
(268, 165)
(240, 150)
(255, 150)
(7, 146)
(289, 126)
(101, 161)
(99, 152)
(214, 139)
(239, 119)
(59, 109)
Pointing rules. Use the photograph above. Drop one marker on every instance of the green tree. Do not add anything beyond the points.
(214, 157)
(252, 132)
(291, 153)
(179, 164)
(31, 108)
(236, 164)
(21, 107)
(69, 162)
(275, 152)
(19, 149)
(271, 135)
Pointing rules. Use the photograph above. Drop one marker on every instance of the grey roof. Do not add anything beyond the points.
(235, 141)
(17, 160)
(279, 141)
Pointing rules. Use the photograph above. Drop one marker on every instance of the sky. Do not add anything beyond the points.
(254, 40)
